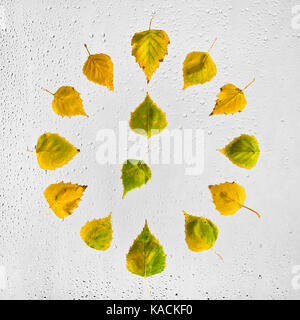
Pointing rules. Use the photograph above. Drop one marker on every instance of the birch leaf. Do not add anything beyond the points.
(200, 233)
(231, 99)
(97, 233)
(229, 198)
(135, 173)
(54, 151)
(146, 256)
(99, 69)
(148, 119)
(63, 198)
(198, 67)
(243, 151)
(67, 102)
(149, 49)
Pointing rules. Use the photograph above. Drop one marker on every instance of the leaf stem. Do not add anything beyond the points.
(212, 45)
(149, 147)
(151, 22)
(87, 49)
(217, 254)
(47, 91)
(249, 84)
(252, 211)
(148, 137)
(146, 285)
(244, 206)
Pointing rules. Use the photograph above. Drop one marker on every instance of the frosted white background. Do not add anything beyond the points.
(42, 46)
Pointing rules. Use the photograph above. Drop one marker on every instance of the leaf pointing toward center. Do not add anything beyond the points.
(146, 256)
(243, 151)
(148, 119)
(231, 99)
(200, 233)
(229, 198)
(54, 151)
(99, 69)
(63, 198)
(198, 67)
(149, 48)
(67, 102)
(97, 233)
(135, 173)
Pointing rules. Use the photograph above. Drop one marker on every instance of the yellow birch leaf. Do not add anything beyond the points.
(63, 198)
(97, 233)
(229, 198)
(99, 69)
(67, 102)
(200, 233)
(146, 256)
(231, 99)
(149, 48)
(148, 119)
(54, 151)
(198, 67)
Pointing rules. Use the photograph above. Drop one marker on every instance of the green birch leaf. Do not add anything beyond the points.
(135, 173)
(97, 233)
(200, 233)
(146, 256)
(148, 119)
(243, 151)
